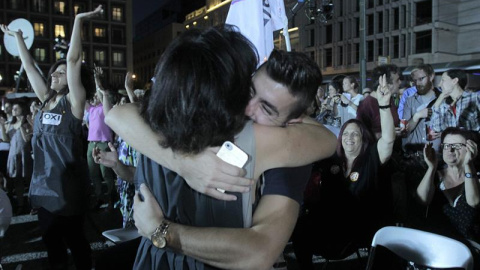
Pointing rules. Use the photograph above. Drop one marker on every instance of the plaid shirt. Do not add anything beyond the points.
(467, 113)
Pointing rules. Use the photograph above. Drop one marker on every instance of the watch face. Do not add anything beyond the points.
(468, 175)
(159, 241)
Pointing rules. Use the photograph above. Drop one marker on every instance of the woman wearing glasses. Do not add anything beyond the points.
(453, 192)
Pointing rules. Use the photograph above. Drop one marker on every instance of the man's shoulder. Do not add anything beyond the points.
(288, 182)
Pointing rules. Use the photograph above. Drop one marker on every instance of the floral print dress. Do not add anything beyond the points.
(126, 190)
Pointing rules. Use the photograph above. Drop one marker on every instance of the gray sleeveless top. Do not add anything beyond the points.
(181, 204)
(60, 173)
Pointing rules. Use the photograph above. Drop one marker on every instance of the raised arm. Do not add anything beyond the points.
(385, 143)
(129, 87)
(426, 188)
(74, 62)
(34, 77)
(204, 172)
(472, 186)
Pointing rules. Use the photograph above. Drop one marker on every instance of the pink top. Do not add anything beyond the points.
(98, 131)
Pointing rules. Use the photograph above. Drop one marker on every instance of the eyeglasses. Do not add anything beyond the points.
(456, 146)
(419, 79)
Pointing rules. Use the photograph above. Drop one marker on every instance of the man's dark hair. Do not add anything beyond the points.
(460, 74)
(299, 73)
(86, 77)
(388, 69)
(202, 87)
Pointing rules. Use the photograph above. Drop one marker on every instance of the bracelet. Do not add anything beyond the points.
(384, 107)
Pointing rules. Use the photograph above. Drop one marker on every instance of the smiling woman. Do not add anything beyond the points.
(452, 192)
(354, 200)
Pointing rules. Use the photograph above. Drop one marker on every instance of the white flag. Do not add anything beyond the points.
(257, 19)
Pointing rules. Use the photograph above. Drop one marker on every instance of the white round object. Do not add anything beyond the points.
(27, 30)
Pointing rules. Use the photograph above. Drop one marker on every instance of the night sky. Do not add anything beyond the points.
(143, 8)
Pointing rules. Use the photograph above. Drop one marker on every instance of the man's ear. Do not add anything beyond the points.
(297, 120)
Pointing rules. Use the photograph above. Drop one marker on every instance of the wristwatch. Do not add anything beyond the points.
(468, 175)
(159, 236)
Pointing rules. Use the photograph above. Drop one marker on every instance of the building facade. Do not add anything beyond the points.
(402, 32)
(107, 40)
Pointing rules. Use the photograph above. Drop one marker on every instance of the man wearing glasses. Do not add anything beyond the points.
(418, 111)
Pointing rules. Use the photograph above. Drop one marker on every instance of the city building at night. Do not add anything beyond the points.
(107, 40)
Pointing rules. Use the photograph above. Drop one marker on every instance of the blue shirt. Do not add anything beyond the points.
(407, 93)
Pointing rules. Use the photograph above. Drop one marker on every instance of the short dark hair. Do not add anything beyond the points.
(465, 133)
(202, 87)
(86, 77)
(460, 74)
(353, 80)
(337, 86)
(378, 71)
(299, 73)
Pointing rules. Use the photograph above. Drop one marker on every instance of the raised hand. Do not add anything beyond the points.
(383, 91)
(472, 152)
(129, 80)
(429, 155)
(97, 70)
(7, 31)
(90, 14)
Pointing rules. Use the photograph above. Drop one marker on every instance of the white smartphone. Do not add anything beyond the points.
(233, 155)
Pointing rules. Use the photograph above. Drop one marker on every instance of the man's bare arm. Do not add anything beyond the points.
(229, 248)
(293, 146)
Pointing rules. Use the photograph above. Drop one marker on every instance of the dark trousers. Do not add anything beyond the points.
(100, 173)
(60, 233)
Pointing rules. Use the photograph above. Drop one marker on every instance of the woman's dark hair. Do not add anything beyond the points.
(353, 80)
(336, 85)
(202, 87)
(460, 74)
(22, 103)
(367, 139)
(86, 76)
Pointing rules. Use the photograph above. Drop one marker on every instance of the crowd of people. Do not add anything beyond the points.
(326, 169)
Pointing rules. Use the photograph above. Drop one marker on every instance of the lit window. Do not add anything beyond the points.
(39, 54)
(100, 57)
(59, 7)
(39, 29)
(117, 58)
(117, 14)
(77, 8)
(59, 30)
(99, 32)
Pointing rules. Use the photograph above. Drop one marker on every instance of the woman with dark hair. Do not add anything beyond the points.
(19, 163)
(452, 192)
(352, 200)
(60, 182)
(456, 107)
